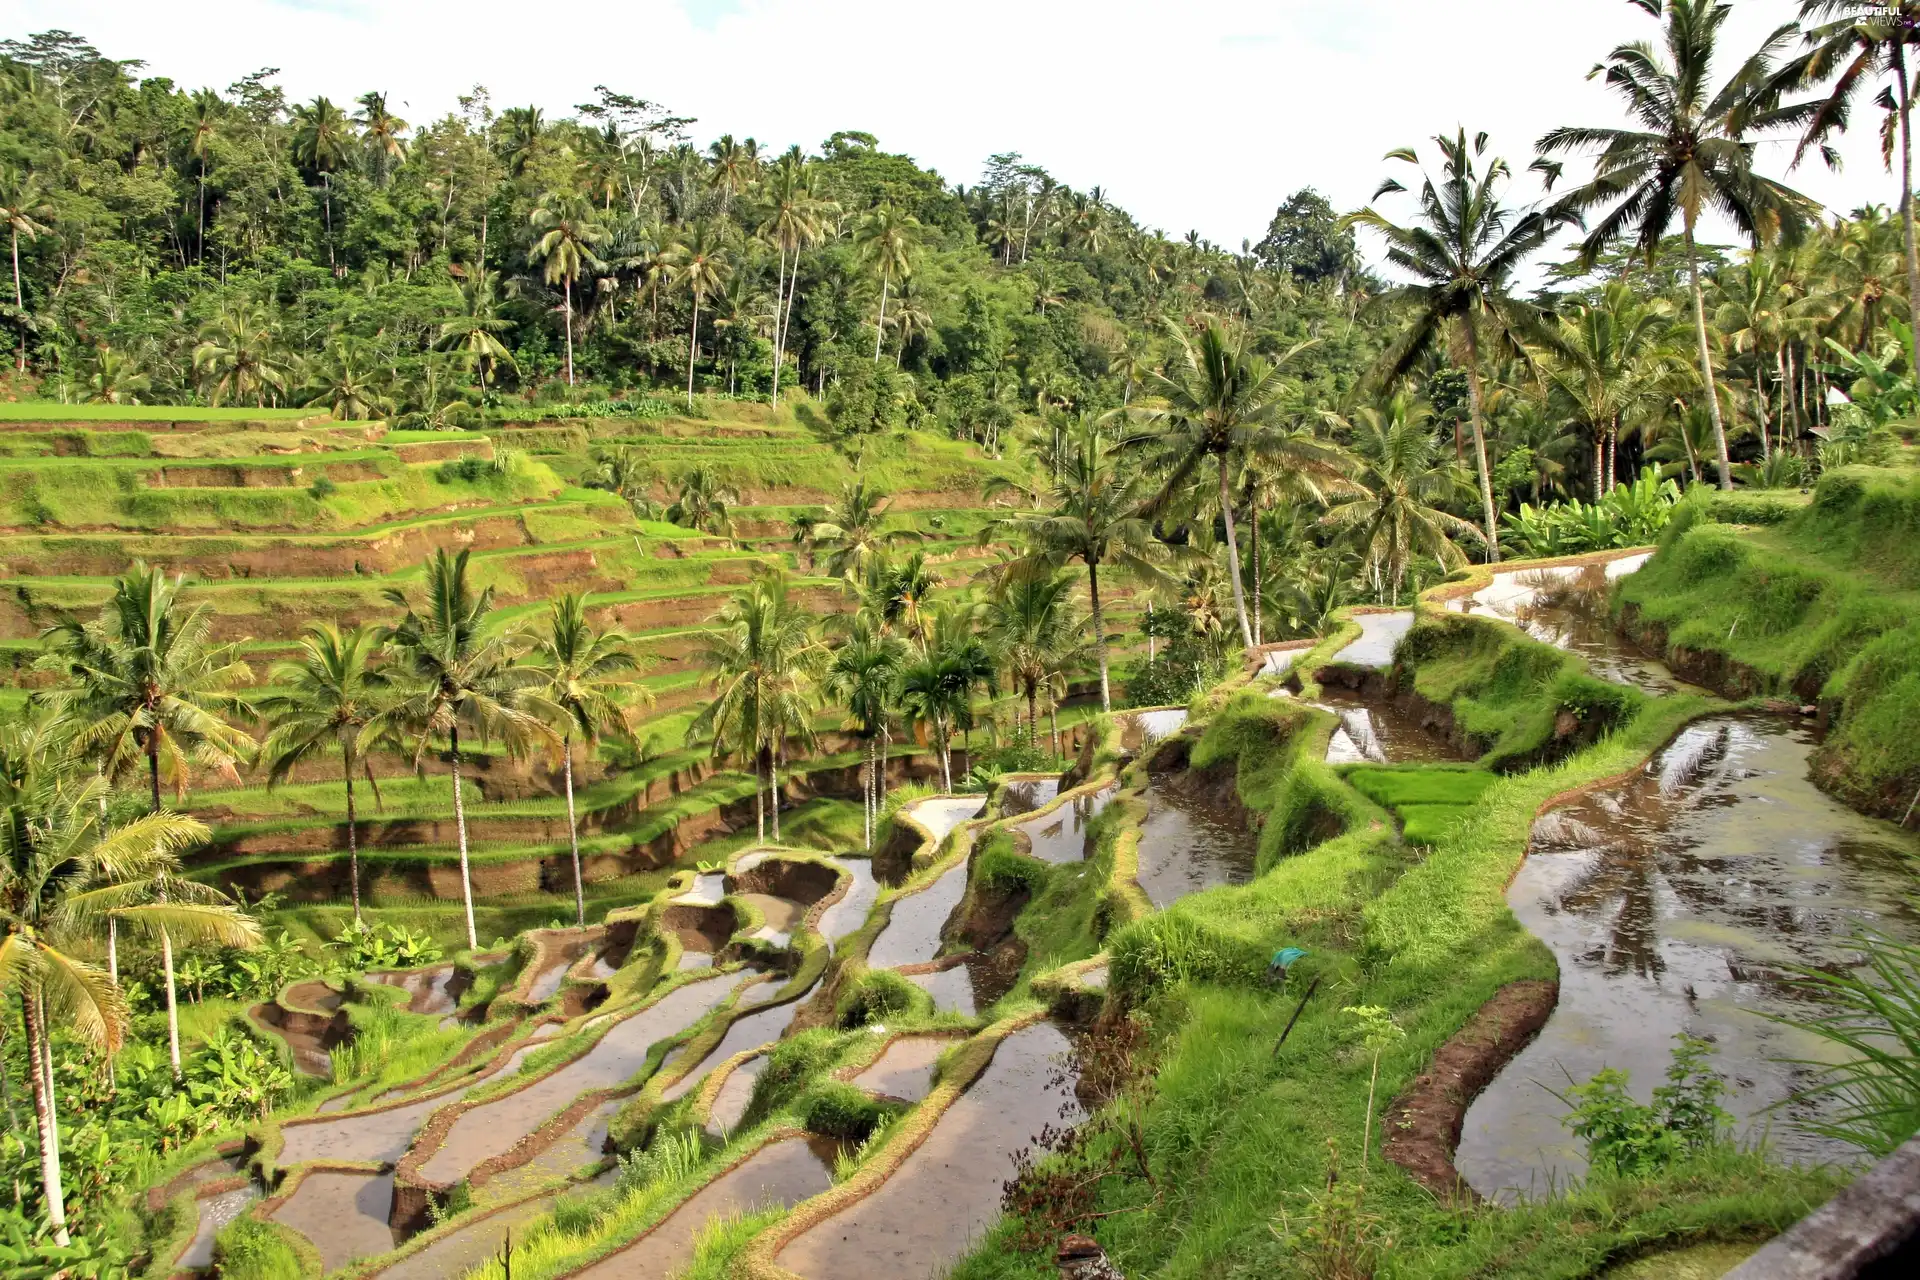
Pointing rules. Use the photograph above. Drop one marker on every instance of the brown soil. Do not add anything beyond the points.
(1423, 1124)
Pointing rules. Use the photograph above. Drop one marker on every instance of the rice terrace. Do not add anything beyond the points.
(584, 699)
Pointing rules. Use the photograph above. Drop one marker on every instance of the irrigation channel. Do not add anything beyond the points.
(1677, 901)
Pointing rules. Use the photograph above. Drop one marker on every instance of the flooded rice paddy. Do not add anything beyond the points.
(343, 1214)
(215, 1211)
(1676, 902)
(1380, 635)
(1189, 842)
(748, 1031)
(904, 1070)
(1061, 836)
(1024, 795)
(850, 912)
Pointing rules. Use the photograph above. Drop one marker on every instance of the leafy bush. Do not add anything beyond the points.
(879, 994)
(1632, 515)
(362, 946)
(322, 488)
(470, 470)
(998, 868)
(1630, 1139)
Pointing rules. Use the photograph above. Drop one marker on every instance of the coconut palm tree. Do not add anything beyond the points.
(473, 330)
(566, 233)
(1863, 45)
(703, 503)
(350, 381)
(380, 132)
(144, 683)
(1608, 357)
(454, 672)
(55, 847)
(1463, 254)
(863, 676)
(1091, 513)
(792, 221)
(851, 531)
(758, 651)
(205, 110)
(322, 139)
(240, 354)
(907, 598)
(1406, 480)
(580, 672)
(1037, 633)
(933, 696)
(1221, 397)
(699, 265)
(114, 377)
(1694, 151)
(23, 203)
(885, 237)
(331, 697)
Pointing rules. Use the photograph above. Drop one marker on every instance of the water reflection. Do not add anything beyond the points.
(1061, 836)
(1673, 903)
(1189, 842)
(1568, 606)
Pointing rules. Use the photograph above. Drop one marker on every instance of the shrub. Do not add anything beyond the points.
(468, 470)
(879, 994)
(322, 488)
(835, 1109)
(250, 1250)
(1630, 516)
(998, 868)
(1635, 1140)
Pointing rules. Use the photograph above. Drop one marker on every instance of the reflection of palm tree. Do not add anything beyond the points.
(1406, 479)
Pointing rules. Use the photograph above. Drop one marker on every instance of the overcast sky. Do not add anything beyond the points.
(1198, 114)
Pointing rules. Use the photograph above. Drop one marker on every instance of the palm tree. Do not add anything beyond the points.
(703, 503)
(330, 697)
(1694, 150)
(23, 202)
(1862, 44)
(240, 355)
(932, 697)
(54, 845)
(578, 669)
(885, 237)
(1224, 400)
(453, 673)
(380, 132)
(1033, 627)
(203, 126)
(699, 265)
(1093, 515)
(624, 471)
(851, 531)
(473, 329)
(906, 602)
(1463, 253)
(1609, 356)
(349, 381)
(792, 221)
(144, 681)
(758, 651)
(1406, 480)
(863, 676)
(114, 377)
(566, 233)
(966, 660)
(322, 136)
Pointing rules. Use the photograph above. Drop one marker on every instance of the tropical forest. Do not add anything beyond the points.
(580, 698)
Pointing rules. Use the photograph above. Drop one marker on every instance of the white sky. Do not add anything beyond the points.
(1198, 114)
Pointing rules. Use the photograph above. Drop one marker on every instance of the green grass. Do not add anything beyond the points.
(46, 411)
(1430, 800)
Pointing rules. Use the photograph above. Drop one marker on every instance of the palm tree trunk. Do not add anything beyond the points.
(353, 835)
(866, 799)
(693, 337)
(460, 831)
(793, 287)
(153, 769)
(779, 296)
(573, 837)
(19, 305)
(569, 322)
(44, 1119)
(1253, 534)
(1053, 717)
(1906, 185)
(326, 181)
(173, 1011)
(1476, 406)
(880, 329)
(200, 253)
(1233, 558)
(773, 787)
(1706, 362)
(759, 798)
(1599, 467)
(1099, 633)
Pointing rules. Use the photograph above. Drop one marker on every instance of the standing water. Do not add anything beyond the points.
(1380, 635)
(1189, 842)
(1061, 836)
(1673, 903)
(1024, 795)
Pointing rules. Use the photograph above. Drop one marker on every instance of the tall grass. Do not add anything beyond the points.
(1873, 1016)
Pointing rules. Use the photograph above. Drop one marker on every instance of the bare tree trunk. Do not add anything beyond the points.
(866, 799)
(1476, 404)
(1053, 717)
(1906, 189)
(1099, 633)
(880, 329)
(353, 836)
(773, 787)
(460, 830)
(693, 338)
(1253, 534)
(759, 799)
(569, 319)
(1233, 558)
(173, 1011)
(573, 837)
(779, 296)
(1706, 363)
(44, 1118)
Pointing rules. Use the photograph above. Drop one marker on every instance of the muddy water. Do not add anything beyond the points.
(912, 935)
(1061, 836)
(494, 1127)
(546, 982)
(905, 1069)
(947, 1192)
(215, 1213)
(782, 916)
(953, 990)
(343, 1214)
(582, 1145)
(430, 991)
(1671, 903)
(1280, 661)
(708, 888)
(850, 912)
(942, 814)
(1568, 607)
(1139, 729)
(369, 1137)
(781, 1173)
(735, 1096)
(1380, 635)
(1024, 795)
(1378, 731)
(749, 1031)
(1187, 843)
